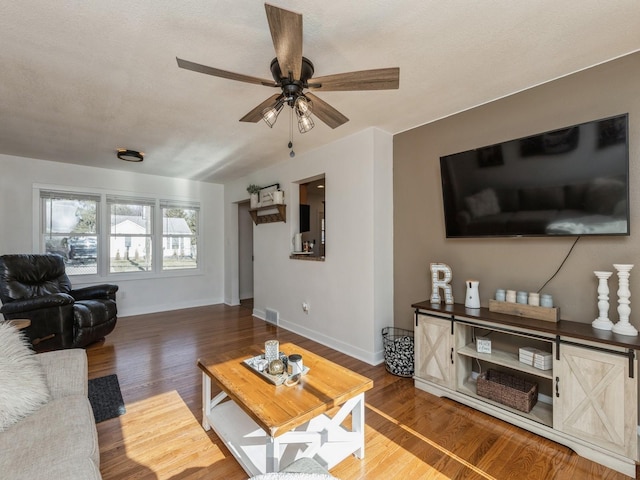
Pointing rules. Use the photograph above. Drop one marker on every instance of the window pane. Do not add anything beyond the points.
(130, 242)
(70, 230)
(179, 238)
(132, 254)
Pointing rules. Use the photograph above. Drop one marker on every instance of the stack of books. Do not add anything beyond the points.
(536, 358)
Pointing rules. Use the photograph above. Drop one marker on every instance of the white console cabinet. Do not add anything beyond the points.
(587, 400)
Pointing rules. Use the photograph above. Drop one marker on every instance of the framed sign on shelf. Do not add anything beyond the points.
(266, 194)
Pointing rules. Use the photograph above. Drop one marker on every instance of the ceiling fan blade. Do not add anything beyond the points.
(377, 79)
(326, 112)
(216, 72)
(286, 33)
(255, 115)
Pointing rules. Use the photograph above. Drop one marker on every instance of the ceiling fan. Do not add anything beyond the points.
(293, 74)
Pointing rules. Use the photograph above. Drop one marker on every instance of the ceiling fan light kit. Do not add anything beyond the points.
(129, 155)
(305, 124)
(293, 73)
(303, 106)
(270, 114)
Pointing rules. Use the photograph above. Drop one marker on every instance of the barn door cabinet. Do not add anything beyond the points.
(434, 350)
(595, 399)
(587, 400)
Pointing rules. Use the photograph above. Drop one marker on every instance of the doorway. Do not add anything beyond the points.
(245, 255)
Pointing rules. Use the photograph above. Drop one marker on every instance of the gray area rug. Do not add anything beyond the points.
(106, 398)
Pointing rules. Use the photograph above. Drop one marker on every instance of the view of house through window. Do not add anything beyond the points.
(131, 239)
(179, 236)
(71, 226)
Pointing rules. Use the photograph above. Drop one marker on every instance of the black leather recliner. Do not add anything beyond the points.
(37, 287)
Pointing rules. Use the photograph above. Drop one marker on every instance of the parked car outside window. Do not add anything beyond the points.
(81, 248)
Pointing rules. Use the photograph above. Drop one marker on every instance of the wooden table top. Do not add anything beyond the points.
(562, 328)
(20, 323)
(279, 409)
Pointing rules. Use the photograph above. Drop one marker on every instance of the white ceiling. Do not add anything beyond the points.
(82, 78)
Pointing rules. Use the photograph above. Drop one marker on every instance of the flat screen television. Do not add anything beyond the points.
(566, 182)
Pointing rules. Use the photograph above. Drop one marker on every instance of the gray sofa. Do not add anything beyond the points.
(545, 209)
(59, 440)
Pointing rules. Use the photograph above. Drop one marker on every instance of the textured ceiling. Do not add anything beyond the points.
(82, 78)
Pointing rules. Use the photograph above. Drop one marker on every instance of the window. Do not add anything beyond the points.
(104, 234)
(180, 224)
(131, 238)
(69, 227)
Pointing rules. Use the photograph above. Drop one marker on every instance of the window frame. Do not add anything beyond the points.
(55, 194)
(103, 227)
(175, 204)
(149, 235)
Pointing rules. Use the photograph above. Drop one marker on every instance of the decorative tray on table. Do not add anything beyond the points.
(278, 379)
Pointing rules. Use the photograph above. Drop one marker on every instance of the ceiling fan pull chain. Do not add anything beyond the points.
(291, 153)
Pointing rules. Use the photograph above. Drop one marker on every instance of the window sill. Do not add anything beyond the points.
(132, 276)
(311, 258)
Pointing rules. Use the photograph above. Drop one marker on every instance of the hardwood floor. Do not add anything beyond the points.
(409, 434)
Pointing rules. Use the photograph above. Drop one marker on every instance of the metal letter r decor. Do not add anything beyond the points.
(440, 278)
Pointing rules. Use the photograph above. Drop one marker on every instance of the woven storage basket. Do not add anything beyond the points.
(512, 391)
(398, 351)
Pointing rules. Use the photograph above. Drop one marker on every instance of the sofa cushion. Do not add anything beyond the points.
(78, 469)
(542, 198)
(483, 203)
(63, 431)
(603, 195)
(531, 221)
(23, 385)
(509, 199)
(574, 196)
(66, 372)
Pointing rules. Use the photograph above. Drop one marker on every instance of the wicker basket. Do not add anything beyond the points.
(398, 351)
(512, 391)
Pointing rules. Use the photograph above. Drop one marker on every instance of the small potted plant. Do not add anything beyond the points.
(254, 190)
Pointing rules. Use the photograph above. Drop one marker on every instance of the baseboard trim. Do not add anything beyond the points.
(124, 312)
(372, 358)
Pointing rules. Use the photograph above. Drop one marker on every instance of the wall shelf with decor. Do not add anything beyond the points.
(269, 214)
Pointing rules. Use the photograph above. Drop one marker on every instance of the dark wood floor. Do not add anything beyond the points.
(410, 434)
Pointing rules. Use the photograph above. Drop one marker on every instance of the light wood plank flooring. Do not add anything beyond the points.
(410, 434)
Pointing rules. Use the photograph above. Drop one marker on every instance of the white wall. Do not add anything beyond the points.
(518, 263)
(160, 293)
(350, 293)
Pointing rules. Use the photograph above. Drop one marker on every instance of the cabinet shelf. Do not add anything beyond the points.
(504, 359)
(270, 214)
(541, 412)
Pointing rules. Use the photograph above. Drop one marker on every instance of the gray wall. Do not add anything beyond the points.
(517, 263)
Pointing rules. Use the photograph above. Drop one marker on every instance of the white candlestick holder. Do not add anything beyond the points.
(623, 327)
(603, 322)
